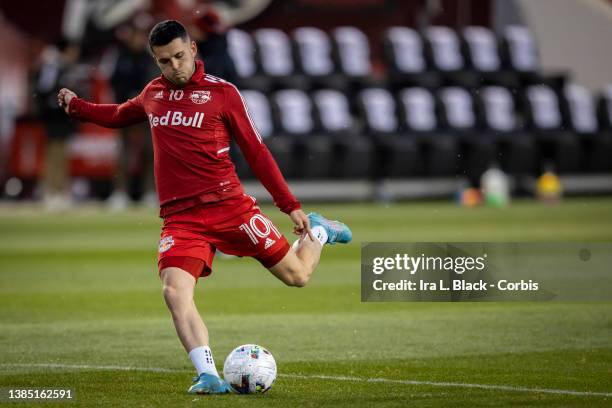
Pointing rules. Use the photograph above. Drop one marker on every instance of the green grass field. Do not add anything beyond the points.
(81, 308)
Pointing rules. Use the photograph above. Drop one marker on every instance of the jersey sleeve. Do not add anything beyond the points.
(255, 151)
(109, 115)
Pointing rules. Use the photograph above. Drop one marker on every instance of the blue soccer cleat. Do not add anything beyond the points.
(209, 384)
(336, 230)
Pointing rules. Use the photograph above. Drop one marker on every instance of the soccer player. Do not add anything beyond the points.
(193, 118)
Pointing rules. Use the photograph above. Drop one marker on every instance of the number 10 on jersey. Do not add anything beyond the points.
(259, 227)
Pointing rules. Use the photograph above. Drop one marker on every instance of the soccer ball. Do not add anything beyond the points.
(250, 369)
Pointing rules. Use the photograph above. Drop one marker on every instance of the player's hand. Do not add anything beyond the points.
(64, 97)
(301, 224)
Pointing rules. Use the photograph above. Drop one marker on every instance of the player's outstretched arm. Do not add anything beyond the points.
(256, 153)
(107, 115)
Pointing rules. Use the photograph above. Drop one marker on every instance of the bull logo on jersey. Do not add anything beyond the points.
(165, 244)
(200, 97)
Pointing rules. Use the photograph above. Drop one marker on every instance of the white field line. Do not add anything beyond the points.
(454, 384)
(442, 384)
(91, 367)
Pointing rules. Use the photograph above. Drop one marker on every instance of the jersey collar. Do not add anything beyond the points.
(197, 76)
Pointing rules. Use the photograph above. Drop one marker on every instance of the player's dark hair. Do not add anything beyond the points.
(166, 31)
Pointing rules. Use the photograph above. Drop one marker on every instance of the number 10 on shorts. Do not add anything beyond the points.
(259, 227)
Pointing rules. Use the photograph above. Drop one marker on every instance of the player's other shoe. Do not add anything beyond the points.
(336, 231)
(209, 384)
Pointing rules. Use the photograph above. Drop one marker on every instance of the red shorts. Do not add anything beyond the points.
(235, 226)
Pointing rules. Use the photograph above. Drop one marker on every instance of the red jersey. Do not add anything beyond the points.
(192, 127)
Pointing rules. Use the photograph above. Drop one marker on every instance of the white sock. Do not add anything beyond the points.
(202, 359)
(320, 233)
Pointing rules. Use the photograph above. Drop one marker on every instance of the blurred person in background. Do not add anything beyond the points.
(210, 34)
(57, 69)
(131, 71)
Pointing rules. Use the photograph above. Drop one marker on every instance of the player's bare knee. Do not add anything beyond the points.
(170, 294)
(292, 272)
(176, 298)
(300, 281)
(299, 277)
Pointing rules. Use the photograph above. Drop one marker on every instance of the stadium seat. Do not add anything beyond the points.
(313, 155)
(443, 49)
(543, 116)
(281, 148)
(277, 60)
(582, 114)
(315, 57)
(581, 109)
(604, 114)
(418, 115)
(477, 151)
(520, 48)
(259, 109)
(458, 109)
(396, 153)
(352, 151)
(403, 48)
(353, 56)
(516, 149)
(244, 54)
(482, 55)
(520, 53)
(604, 108)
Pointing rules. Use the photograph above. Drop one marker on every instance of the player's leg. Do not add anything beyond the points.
(299, 263)
(241, 229)
(178, 289)
(297, 266)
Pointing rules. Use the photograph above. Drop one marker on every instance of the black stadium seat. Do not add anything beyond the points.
(352, 51)
(604, 114)
(481, 52)
(315, 57)
(582, 115)
(352, 151)
(276, 59)
(443, 50)
(581, 109)
(458, 110)
(259, 109)
(604, 108)
(281, 148)
(403, 48)
(477, 151)
(520, 49)
(419, 118)
(396, 154)
(499, 121)
(543, 115)
(244, 54)
(520, 54)
(313, 154)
